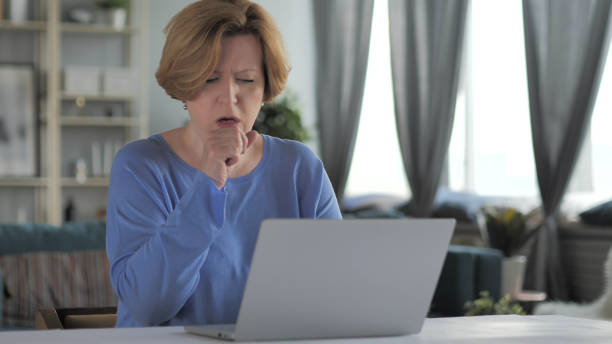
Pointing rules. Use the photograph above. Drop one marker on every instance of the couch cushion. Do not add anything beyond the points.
(24, 238)
(53, 280)
(466, 272)
(600, 215)
(454, 210)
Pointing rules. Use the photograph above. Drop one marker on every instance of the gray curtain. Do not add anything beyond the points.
(426, 45)
(566, 45)
(342, 41)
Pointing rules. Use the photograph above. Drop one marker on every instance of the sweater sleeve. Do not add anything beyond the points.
(317, 196)
(326, 204)
(156, 249)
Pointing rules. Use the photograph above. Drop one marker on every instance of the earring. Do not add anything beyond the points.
(184, 106)
(262, 104)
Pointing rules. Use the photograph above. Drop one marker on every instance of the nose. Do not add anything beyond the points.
(228, 93)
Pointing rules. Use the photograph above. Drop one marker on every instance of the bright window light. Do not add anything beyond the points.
(491, 151)
(377, 163)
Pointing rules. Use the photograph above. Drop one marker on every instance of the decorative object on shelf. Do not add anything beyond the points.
(82, 80)
(80, 15)
(96, 159)
(282, 118)
(69, 210)
(17, 124)
(18, 10)
(116, 12)
(22, 215)
(508, 230)
(80, 171)
(485, 305)
(101, 214)
(80, 103)
(102, 156)
(118, 81)
(108, 157)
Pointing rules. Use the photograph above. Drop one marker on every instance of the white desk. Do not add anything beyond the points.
(484, 329)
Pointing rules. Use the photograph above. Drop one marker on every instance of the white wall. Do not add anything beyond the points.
(294, 18)
(165, 112)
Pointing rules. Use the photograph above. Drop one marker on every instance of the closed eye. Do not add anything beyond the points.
(211, 80)
(247, 80)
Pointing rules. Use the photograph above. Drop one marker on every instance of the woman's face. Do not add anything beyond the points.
(233, 94)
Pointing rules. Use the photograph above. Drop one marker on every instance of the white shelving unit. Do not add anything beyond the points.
(22, 182)
(98, 122)
(59, 130)
(25, 26)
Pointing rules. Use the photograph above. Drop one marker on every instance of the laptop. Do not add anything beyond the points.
(338, 278)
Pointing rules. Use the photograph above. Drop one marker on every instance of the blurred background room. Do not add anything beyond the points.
(495, 113)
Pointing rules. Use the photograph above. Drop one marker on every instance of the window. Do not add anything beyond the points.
(377, 162)
(591, 182)
(491, 151)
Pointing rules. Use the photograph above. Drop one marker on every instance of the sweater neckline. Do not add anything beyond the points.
(246, 178)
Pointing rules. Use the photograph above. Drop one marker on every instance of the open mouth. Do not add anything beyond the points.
(227, 120)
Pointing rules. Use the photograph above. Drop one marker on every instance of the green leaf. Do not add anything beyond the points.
(485, 305)
(282, 119)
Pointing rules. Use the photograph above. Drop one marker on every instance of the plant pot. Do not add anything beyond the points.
(513, 272)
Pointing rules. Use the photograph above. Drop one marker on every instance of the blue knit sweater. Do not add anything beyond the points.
(180, 249)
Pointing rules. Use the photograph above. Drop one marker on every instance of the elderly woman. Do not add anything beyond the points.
(185, 206)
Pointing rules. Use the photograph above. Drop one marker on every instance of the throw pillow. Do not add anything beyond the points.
(600, 215)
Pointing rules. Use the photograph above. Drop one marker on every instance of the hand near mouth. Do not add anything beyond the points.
(224, 148)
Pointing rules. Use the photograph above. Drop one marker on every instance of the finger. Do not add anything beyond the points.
(221, 178)
(244, 142)
(226, 143)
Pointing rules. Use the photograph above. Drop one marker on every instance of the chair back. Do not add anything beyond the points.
(69, 318)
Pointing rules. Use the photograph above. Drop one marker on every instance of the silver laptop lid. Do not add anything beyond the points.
(342, 278)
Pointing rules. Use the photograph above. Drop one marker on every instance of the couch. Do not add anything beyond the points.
(468, 269)
(44, 266)
(466, 272)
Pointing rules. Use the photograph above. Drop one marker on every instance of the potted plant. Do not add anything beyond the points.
(508, 229)
(282, 118)
(116, 12)
(485, 305)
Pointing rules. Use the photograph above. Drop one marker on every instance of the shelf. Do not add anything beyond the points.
(96, 29)
(101, 97)
(98, 121)
(91, 182)
(70, 121)
(22, 182)
(23, 26)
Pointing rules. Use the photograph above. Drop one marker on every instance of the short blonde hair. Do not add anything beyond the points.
(193, 46)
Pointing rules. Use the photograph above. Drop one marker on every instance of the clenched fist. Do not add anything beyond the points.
(224, 147)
